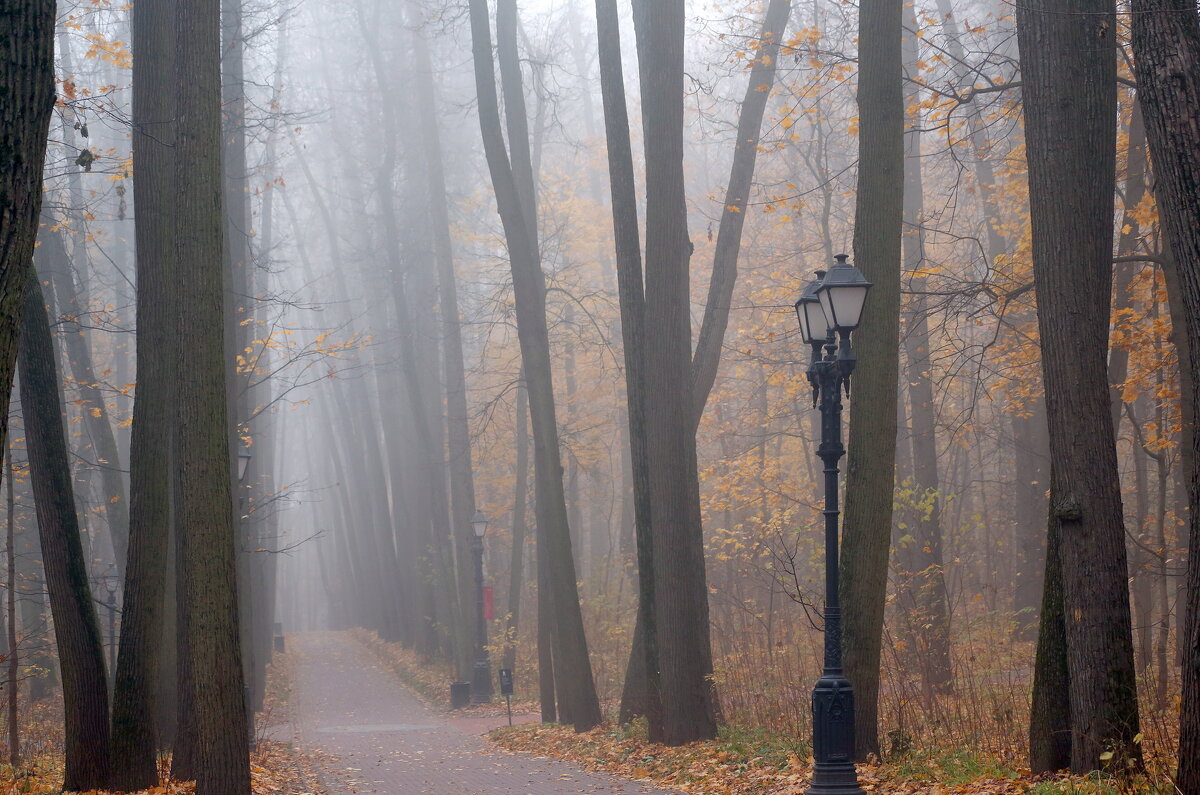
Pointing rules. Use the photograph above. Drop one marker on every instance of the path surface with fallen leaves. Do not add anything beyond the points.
(347, 705)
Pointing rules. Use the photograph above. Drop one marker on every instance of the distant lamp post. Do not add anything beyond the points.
(481, 674)
(832, 305)
(243, 460)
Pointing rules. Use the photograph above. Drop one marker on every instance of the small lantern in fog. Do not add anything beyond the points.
(479, 524)
(842, 293)
(243, 460)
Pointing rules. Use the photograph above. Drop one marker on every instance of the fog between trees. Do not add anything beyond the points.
(413, 260)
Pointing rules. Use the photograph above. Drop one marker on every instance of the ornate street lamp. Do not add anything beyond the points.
(832, 304)
(481, 674)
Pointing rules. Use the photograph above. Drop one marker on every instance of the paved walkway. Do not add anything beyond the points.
(346, 704)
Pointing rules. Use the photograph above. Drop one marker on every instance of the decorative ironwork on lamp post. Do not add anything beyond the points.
(481, 672)
(830, 308)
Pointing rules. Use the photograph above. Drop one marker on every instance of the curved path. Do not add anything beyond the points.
(344, 703)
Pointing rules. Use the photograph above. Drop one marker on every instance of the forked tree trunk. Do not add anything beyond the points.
(641, 694)
(1068, 61)
(680, 593)
(575, 687)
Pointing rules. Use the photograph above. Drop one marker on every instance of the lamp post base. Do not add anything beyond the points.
(481, 683)
(833, 736)
(834, 778)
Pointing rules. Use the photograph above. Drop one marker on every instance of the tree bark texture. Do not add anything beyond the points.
(208, 609)
(573, 674)
(135, 745)
(1166, 47)
(871, 453)
(1068, 62)
(76, 628)
(680, 594)
(27, 89)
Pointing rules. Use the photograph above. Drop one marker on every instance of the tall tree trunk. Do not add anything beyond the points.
(871, 457)
(27, 84)
(1166, 47)
(681, 594)
(923, 585)
(76, 628)
(1068, 60)
(458, 429)
(575, 686)
(641, 694)
(135, 746)
(209, 609)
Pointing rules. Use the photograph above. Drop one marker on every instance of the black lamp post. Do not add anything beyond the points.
(481, 673)
(832, 304)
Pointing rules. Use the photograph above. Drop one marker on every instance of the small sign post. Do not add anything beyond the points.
(506, 690)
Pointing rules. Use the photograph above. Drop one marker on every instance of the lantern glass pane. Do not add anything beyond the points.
(848, 304)
(815, 320)
(826, 308)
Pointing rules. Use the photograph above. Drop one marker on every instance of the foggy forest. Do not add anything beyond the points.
(708, 396)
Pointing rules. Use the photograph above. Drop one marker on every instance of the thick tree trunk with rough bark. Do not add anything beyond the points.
(76, 628)
(208, 607)
(1166, 48)
(871, 453)
(1068, 61)
(27, 85)
(135, 746)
